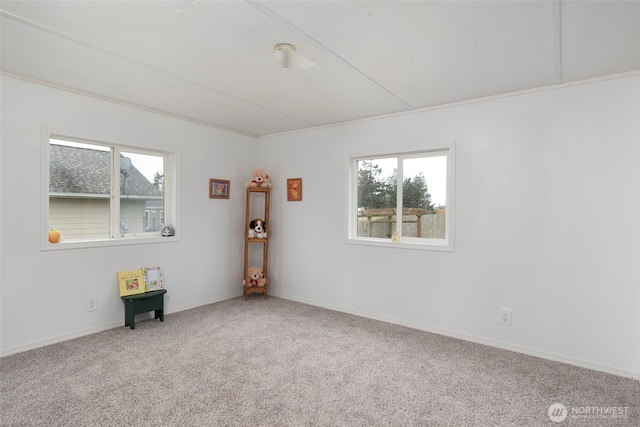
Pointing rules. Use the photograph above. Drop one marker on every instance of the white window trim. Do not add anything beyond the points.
(171, 195)
(443, 245)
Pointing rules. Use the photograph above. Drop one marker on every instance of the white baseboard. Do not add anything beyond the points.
(465, 337)
(201, 303)
(60, 338)
(90, 331)
(471, 338)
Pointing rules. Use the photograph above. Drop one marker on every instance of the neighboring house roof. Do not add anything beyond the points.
(82, 171)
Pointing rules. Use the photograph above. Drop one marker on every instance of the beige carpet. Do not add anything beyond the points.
(279, 363)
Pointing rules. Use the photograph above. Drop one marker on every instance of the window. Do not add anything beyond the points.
(402, 199)
(98, 193)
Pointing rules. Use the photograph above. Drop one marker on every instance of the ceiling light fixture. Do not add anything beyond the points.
(289, 59)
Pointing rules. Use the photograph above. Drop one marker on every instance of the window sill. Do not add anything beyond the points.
(46, 246)
(433, 245)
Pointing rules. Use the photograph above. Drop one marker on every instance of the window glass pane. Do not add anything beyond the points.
(403, 199)
(79, 190)
(424, 197)
(141, 193)
(83, 180)
(376, 197)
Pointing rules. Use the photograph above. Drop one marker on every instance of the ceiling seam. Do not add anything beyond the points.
(142, 63)
(293, 28)
(556, 40)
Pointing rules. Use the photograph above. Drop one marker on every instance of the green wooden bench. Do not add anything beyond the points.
(142, 303)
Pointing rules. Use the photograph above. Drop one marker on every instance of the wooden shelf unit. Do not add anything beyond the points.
(257, 243)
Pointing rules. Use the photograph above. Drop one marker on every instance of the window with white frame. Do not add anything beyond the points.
(96, 192)
(402, 199)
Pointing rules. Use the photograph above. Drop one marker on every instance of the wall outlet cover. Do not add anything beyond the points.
(505, 317)
(91, 303)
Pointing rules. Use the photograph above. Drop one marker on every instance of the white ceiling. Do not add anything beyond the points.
(211, 61)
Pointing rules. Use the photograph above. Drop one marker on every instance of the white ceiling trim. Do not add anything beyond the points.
(366, 119)
(464, 102)
(121, 102)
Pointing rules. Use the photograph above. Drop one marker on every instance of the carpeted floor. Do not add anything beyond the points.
(280, 363)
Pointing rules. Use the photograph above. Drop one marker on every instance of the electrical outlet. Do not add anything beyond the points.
(505, 317)
(91, 303)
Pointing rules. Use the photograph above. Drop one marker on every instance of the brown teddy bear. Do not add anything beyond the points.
(255, 276)
(260, 179)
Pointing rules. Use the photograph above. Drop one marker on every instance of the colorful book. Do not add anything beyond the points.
(153, 279)
(131, 282)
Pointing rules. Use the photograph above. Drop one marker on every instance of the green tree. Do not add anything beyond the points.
(372, 189)
(415, 193)
(376, 192)
(158, 181)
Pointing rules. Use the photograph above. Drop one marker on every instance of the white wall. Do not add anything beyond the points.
(43, 293)
(547, 224)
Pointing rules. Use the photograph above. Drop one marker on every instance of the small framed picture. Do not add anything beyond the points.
(219, 188)
(294, 189)
(153, 279)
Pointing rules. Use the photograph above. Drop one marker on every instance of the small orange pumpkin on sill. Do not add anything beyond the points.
(54, 235)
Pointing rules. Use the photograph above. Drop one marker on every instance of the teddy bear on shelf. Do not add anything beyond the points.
(260, 179)
(256, 277)
(257, 229)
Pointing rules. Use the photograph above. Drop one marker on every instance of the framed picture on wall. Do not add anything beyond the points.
(294, 189)
(219, 188)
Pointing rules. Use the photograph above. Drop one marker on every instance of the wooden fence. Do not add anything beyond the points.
(381, 223)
